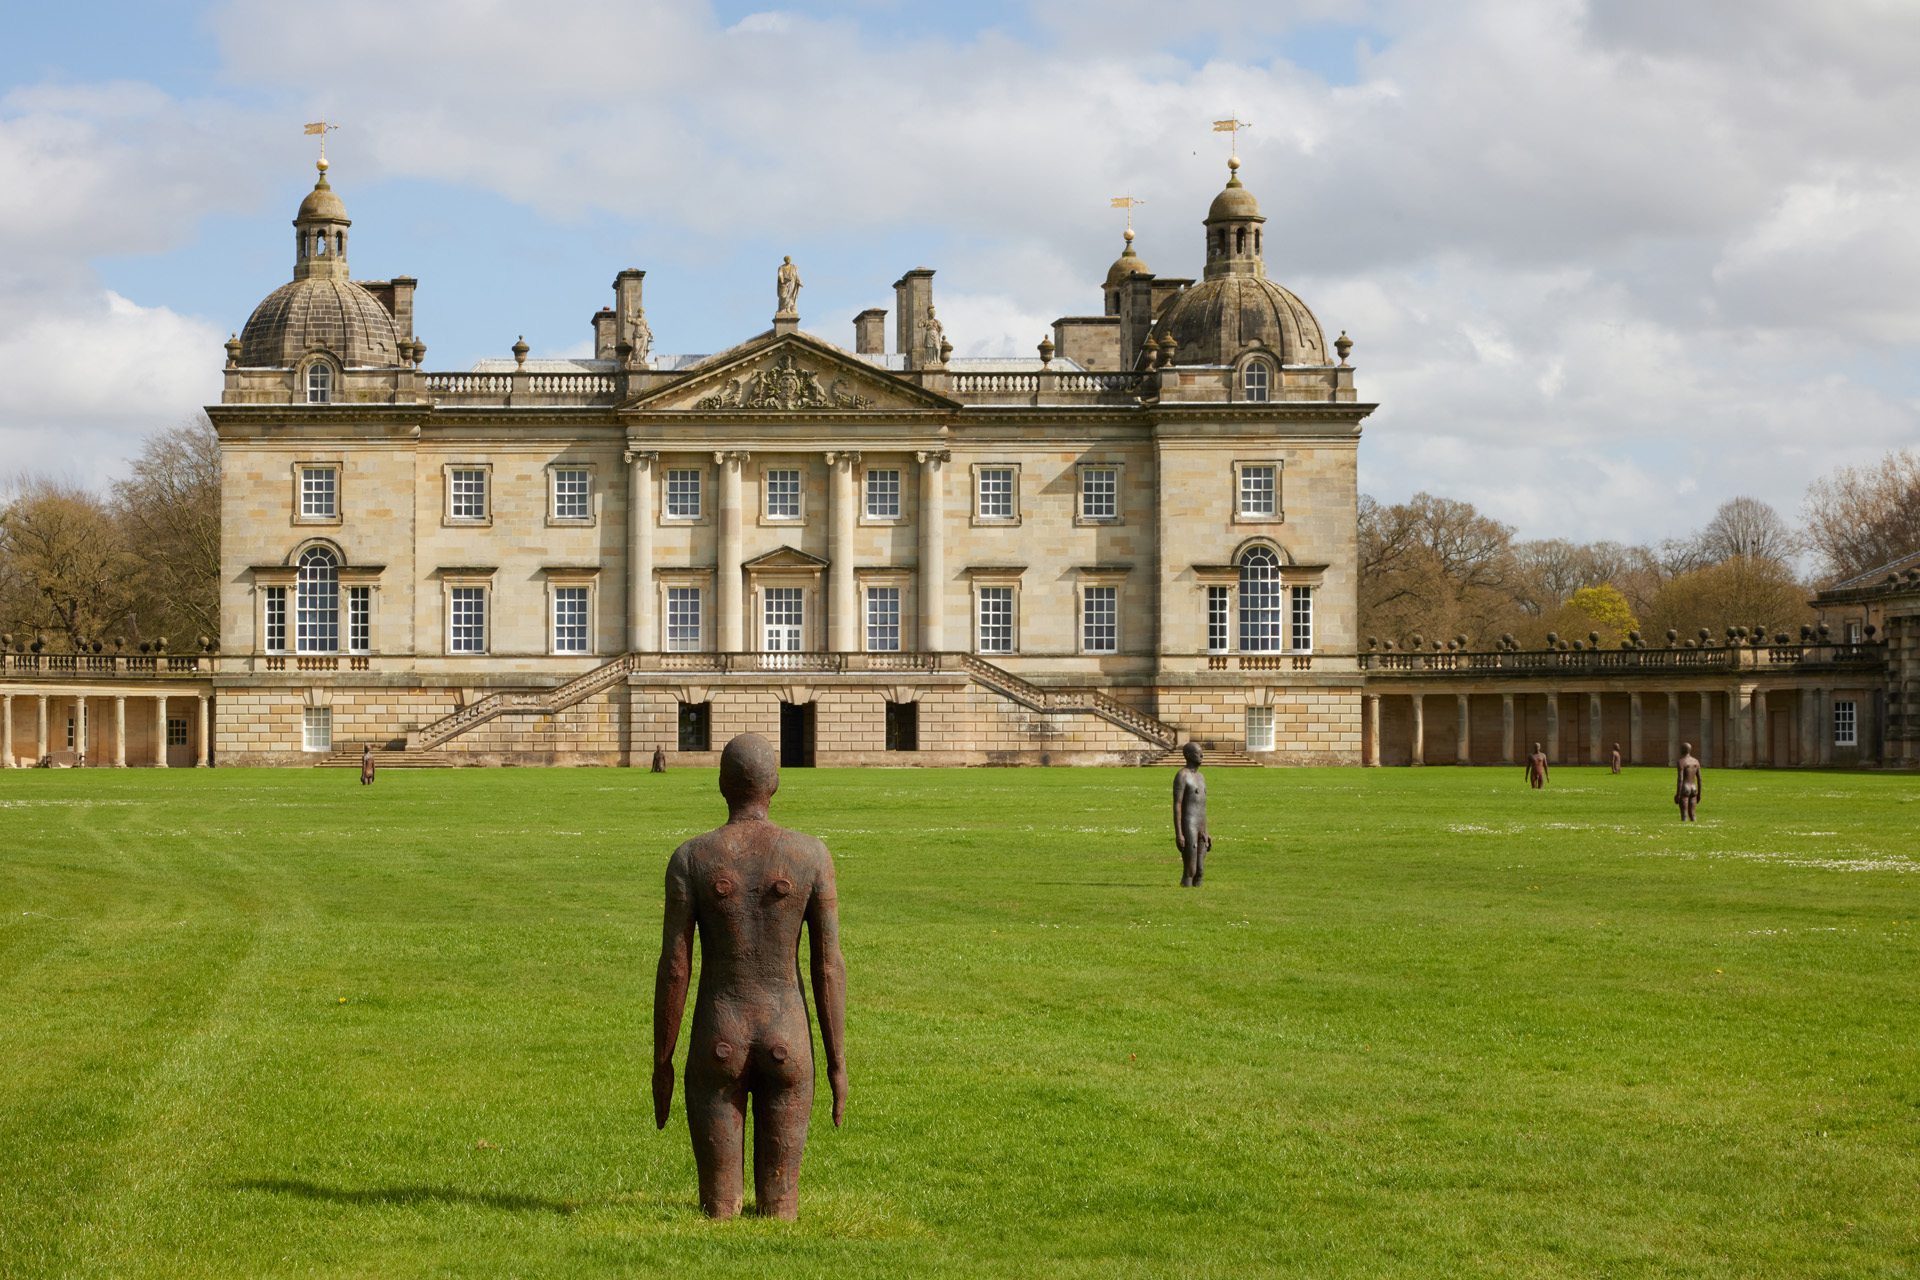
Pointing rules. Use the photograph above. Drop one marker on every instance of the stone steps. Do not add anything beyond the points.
(1210, 758)
(386, 758)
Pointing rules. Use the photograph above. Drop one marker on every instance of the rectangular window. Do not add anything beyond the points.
(570, 495)
(176, 733)
(468, 630)
(683, 621)
(1256, 382)
(683, 495)
(883, 619)
(996, 494)
(276, 619)
(996, 619)
(903, 726)
(783, 619)
(1216, 619)
(1845, 726)
(319, 376)
(1256, 491)
(359, 619)
(1259, 728)
(1099, 494)
(696, 721)
(783, 495)
(1302, 635)
(1100, 619)
(469, 500)
(1853, 633)
(569, 619)
(883, 495)
(316, 728)
(319, 496)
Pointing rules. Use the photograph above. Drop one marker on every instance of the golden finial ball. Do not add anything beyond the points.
(1129, 235)
(1233, 162)
(321, 164)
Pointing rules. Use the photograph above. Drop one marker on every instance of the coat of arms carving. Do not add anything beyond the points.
(783, 385)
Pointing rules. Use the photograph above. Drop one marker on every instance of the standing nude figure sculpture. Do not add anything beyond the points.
(1686, 786)
(1616, 757)
(746, 888)
(1190, 818)
(1537, 768)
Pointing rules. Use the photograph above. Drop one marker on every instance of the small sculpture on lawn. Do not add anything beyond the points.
(1537, 768)
(1616, 757)
(746, 888)
(659, 759)
(1686, 785)
(1190, 818)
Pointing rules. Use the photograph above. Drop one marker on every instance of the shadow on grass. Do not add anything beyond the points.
(403, 1195)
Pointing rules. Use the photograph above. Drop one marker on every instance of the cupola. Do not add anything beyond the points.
(320, 233)
(1233, 230)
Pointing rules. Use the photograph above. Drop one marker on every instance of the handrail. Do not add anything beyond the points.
(1092, 701)
(1609, 661)
(540, 702)
(136, 667)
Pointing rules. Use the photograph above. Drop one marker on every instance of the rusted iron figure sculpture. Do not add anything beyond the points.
(1686, 786)
(659, 760)
(1537, 768)
(747, 887)
(1190, 818)
(1616, 757)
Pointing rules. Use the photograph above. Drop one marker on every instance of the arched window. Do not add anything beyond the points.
(340, 243)
(1256, 240)
(1219, 242)
(317, 608)
(319, 244)
(1240, 240)
(1260, 613)
(1255, 380)
(319, 383)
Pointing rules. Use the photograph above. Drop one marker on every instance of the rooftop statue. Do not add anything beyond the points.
(786, 282)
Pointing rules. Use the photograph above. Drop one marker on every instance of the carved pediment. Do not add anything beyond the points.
(785, 558)
(791, 373)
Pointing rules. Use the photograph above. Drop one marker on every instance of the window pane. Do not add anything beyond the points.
(1216, 619)
(317, 492)
(569, 495)
(695, 726)
(683, 495)
(1256, 491)
(1301, 640)
(276, 619)
(883, 495)
(317, 728)
(1845, 730)
(469, 627)
(683, 623)
(359, 619)
(996, 619)
(317, 613)
(1260, 619)
(469, 495)
(783, 495)
(1259, 728)
(176, 733)
(319, 383)
(1100, 619)
(1256, 381)
(570, 620)
(1099, 494)
(996, 494)
(883, 619)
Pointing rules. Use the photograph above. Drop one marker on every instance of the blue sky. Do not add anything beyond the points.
(1605, 268)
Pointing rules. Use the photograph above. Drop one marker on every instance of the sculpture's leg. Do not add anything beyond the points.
(781, 1109)
(716, 1115)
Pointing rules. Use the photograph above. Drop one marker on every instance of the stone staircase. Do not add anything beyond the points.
(348, 757)
(1210, 758)
(1086, 701)
(520, 702)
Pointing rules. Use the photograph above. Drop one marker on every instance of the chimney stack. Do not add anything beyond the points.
(870, 332)
(913, 295)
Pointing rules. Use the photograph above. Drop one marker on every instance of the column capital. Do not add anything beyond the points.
(933, 456)
(644, 457)
(731, 458)
(838, 457)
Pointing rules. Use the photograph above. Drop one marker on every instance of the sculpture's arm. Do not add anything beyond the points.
(1699, 783)
(670, 983)
(1179, 811)
(829, 982)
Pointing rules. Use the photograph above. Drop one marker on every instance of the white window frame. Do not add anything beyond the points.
(301, 512)
(680, 644)
(1278, 622)
(1219, 618)
(316, 729)
(274, 623)
(667, 513)
(1259, 729)
(318, 383)
(799, 474)
(1083, 470)
(883, 594)
(1266, 379)
(449, 471)
(359, 619)
(556, 588)
(1846, 722)
(454, 588)
(979, 471)
(590, 515)
(324, 621)
(1240, 514)
(1299, 617)
(784, 593)
(867, 515)
(981, 590)
(1091, 595)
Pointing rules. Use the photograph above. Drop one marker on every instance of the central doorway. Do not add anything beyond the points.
(796, 735)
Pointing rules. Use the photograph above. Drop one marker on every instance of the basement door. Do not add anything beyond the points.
(796, 735)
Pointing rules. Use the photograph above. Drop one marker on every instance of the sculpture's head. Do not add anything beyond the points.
(1686, 748)
(1536, 748)
(1192, 753)
(749, 771)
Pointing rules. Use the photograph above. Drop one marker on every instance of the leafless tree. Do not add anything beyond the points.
(67, 566)
(170, 508)
(1859, 518)
(1745, 529)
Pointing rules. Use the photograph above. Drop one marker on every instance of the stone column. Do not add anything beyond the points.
(1673, 727)
(6, 731)
(1740, 710)
(160, 731)
(1506, 728)
(641, 636)
(1704, 748)
(1553, 728)
(843, 605)
(1373, 730)
(1635, 754)
(933, 549)
(1761, 732)
(727, 566)
(1462, 730)
(200, 748)
(1803, 731)
(1419, 729)
(119, 732)
(80, 724)
(1823, 723)
(1593, 729)
(41, 749)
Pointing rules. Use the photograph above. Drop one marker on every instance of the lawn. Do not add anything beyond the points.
(1417, 1023)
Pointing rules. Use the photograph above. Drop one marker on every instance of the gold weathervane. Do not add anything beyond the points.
(1233, 125)
(1127, 202)
(321, 127)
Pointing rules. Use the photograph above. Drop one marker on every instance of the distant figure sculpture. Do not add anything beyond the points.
(659, 760)
(1190, 818)
(366, 765)
(787, 282)
(1537, 768)
(1616, 757)
(936, 337)
(642, 336)
(1686, 786)
(746, 888)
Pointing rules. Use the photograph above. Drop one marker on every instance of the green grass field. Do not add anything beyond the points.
(1417, 1023)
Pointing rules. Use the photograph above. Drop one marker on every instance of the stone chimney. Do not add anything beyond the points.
(626, 306)
(603, 339)
(870, 332)
(913, 296)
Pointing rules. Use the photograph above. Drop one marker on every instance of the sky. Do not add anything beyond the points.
(1604, 264)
